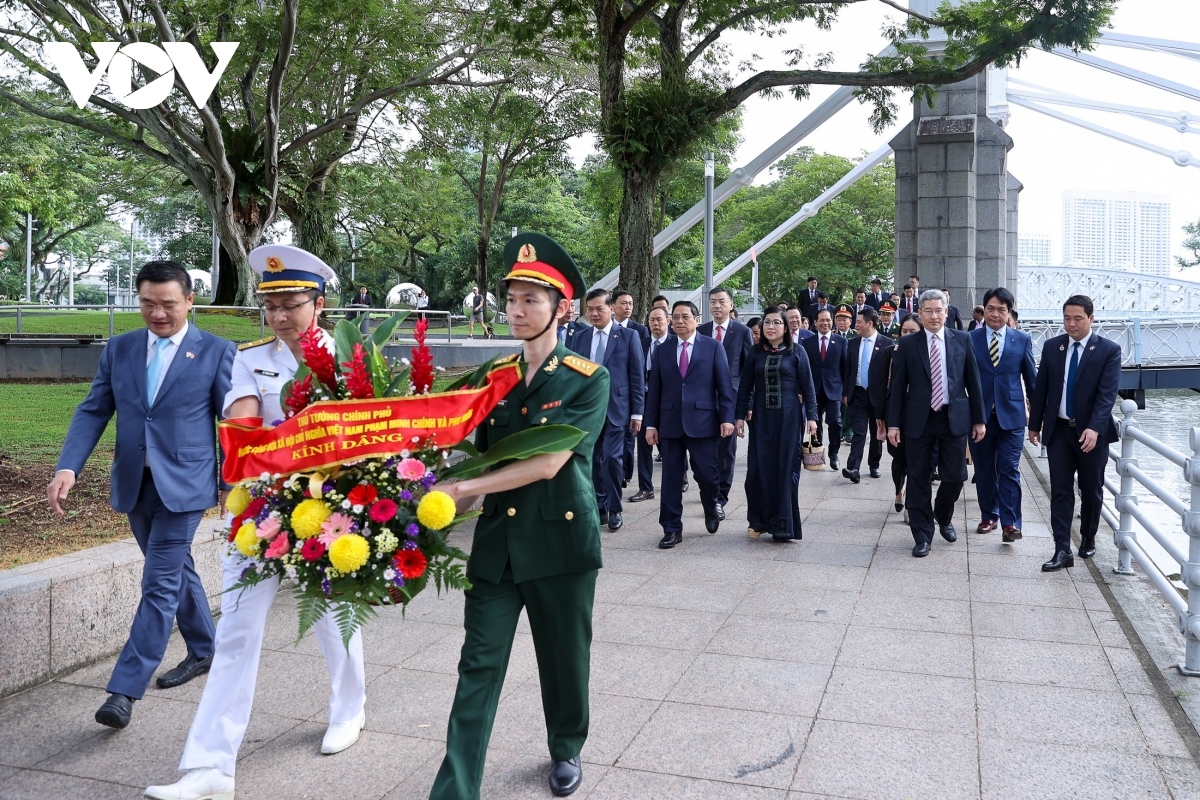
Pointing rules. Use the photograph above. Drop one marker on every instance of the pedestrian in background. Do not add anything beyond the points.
(737, 341)
(881, 392)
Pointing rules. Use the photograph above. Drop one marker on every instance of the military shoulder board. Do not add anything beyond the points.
(256, 343)
(507, 359)
(581, 365)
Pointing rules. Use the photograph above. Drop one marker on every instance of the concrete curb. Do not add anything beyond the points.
(66, 612)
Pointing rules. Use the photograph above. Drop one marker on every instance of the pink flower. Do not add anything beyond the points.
(383, 510)
(280, 547)
(268, 528)
(335, 527)
(411, 469)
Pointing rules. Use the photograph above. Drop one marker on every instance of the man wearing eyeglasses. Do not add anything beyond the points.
(165, 385)
(292, 287)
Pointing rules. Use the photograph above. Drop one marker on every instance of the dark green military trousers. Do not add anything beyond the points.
(559, 608)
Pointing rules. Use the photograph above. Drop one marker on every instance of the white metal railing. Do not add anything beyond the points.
(21, 312)
(1127, 512)
(1145, 341)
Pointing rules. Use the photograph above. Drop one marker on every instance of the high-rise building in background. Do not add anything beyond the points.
(1124, 231)
(1033, 250)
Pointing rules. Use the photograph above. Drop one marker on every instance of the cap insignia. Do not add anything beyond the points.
(526, 254)
(274, 264)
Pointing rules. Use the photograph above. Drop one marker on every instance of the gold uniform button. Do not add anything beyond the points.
(493, 421)
(543, 420)
(512, 512)
(524, 409)
(570, 515)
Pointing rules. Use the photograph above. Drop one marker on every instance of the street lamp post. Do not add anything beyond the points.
(709, 173)
(28, 256)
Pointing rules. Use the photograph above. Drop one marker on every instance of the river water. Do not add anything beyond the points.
(1169, 416)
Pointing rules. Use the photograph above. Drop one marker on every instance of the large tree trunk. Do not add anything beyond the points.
(228, 281)
(482, 243)
(639, 272)
(316, 220)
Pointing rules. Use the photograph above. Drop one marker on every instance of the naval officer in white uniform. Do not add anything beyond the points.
(293, 291)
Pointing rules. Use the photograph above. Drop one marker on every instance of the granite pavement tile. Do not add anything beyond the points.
(1182, 776)
(941, 559)
(1047, 663)
(792, 601)
(712, 569)
(1007, 562)
(719, 744)
(868, 761)
(798, 575)
(406, 702)
(1033, 623)
(908, 583)
(1157, 726)
(1108, 629)
(753, 684)
(637, 671)
(618, 586)
(662, 592)
(47, 720)
(36, 785)
(1054, 714)
(629, 562)
(1131, 675)
(812, 551)
(941, 616)
(1012, 769)
(920, 652)
(1051, 590)
(664, 627)
(900, 700)
(780, 639)
(625, 784)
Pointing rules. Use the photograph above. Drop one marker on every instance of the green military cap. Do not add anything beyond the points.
(536, 258)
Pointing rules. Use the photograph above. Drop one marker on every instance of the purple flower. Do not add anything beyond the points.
(276, 423)
(409, 545)
(246, 572)
(398, 580)
(413, 529)
(406, 495)
(429, 480)
(325, 587)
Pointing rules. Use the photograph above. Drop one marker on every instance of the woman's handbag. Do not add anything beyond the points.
(812, 454)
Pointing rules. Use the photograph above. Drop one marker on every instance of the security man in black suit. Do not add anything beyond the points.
(808, 297)
(953, 315)
(827, 358)
(877, 296)
(622, 306)
(936, 400)
(738, 341)
(1071, 413)
(659, 323)
(864, 350)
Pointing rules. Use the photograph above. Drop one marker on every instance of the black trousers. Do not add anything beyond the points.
(726, 458)
(627, 457)
(862, 422)
(675, 452)
(645, 463)
(951, 458)
(829, 409)
(1067, 460)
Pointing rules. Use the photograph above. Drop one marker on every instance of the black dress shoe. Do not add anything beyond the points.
(921, 549)
(189, 668)
(874, 472)
(116, 711)
(614, 521)
(937, 475)
(948, 533)
(640, 496)
(720, 512)
(669, 540)
(1087, 548)
(603, 516)
(565, 777)
(834, 464)
(1061, 559)
(625, 483)
(851, 474)
(712, 523)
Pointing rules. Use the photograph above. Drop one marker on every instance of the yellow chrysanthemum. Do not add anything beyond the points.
(237, 501)
(247, 539)
(308, 516)
(349, 552)
(436, 510)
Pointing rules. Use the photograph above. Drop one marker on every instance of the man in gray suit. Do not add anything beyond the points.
(166, 385)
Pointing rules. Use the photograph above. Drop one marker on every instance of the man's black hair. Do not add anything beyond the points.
(720, 290)
(1001, 294)
(1081, 300)
(691, 306)
(870, 315)
(810, 279)
(165, 272)
(594, 293)
(822, 295)
(618, 294)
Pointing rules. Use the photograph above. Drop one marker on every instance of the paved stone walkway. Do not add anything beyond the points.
(727, 668)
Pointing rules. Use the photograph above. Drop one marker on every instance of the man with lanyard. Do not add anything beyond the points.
(293, 290)
(537, 543)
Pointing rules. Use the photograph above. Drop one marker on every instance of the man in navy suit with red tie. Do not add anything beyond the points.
(1005, 359)
(827, 356)
(689, 409)
(1071, 412)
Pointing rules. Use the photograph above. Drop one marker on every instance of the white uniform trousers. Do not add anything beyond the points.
(224, 710)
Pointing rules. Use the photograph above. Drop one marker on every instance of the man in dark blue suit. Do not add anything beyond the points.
(1005, 359)
(689, 409)
(738, 341)
(877, 296)
(569, 327)
(953, 316)
(620, 352)
(827, 355)
(166, 384)
(936, 401)
(622, 306)
(660, 334)
(864, 350)
(1071, 412)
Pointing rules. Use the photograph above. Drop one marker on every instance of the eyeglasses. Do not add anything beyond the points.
(773, 322)
(681, 317)
(285, 310)
(150, 308)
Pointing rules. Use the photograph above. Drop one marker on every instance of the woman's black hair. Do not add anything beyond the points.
(788, 345)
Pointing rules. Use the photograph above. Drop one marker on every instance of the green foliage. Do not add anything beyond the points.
(657, 122)
(1191, 243)
(518, 446)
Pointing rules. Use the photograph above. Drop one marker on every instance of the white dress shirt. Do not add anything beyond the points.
(1062, 403)
(654, 345)
(941, 337)
(168, 353)
(606, 331)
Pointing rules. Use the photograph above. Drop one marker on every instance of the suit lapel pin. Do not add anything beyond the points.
(1093, 347)
(1062, 348)
(190, 354)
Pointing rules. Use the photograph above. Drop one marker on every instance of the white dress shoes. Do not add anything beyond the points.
(198, 784)
(341, 735)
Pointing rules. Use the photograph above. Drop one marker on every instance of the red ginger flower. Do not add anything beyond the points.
(358, 374)
(300, 397)
(422, 360)
(362, 495)
(318, 359)
(410, 564)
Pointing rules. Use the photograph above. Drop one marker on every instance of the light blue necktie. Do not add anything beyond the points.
(864, 363)
(601, 342)
(154, 370)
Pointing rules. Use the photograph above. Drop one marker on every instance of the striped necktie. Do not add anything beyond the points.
(994, 349)
(936, 400)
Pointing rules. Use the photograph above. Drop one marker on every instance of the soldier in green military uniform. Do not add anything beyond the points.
(887, 324)
(537, 544)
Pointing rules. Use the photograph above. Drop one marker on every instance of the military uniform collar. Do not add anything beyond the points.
(545, 370)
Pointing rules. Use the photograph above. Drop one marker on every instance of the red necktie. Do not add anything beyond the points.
(719, 334)
(823, 344)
